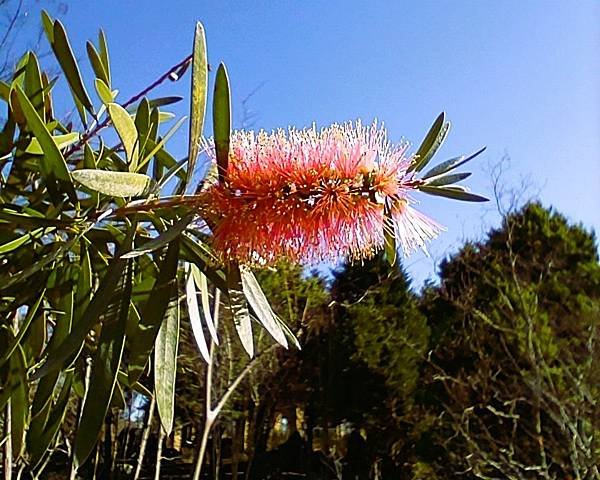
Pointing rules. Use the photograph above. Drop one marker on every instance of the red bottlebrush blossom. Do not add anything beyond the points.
(309, 196)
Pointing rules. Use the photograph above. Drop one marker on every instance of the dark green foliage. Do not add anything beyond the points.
(515, 324)
(86, 274)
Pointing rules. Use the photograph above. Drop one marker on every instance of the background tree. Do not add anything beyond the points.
(515, 326)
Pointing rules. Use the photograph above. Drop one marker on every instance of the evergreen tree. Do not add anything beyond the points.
(514, 366)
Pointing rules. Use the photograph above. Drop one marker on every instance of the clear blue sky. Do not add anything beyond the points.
(521, 77)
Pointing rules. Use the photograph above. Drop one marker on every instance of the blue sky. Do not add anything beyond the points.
(521, 77)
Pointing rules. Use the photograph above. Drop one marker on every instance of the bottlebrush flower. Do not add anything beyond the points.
(309, 195)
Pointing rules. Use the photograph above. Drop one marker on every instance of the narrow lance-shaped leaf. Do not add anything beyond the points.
(239, 307)
(83, 293)
(161, 143)
(432, 141)
(451, 164)
(162, 239)
(202, 285)
(24, 239)
(390, 246)
(454, 192)
(195, 317)
(42, 400)
(39, 446)
(35, 339)
(27, 272)
(53, 166)
(4, 90)
(115, 184)
(198, 99)
(105, 367)
(125, 127)
(447, 179)
(66, 59)
(104, 54)
(123, 379)
(222, 120)
(48, 24)
(259, 303)
(153, 312)
(162, 101)
(16, 374)
(19, 403)
(12, 346)
(103, 91)
(33, 84)
(97, 64)
(97, 306)
(165, 364)
(194, 253)
(62, 141)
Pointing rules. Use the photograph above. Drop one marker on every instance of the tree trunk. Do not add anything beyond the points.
(161, 438)
(237, 445)
(145, 435)
(216, 450)
(7, 461)
(108, 445)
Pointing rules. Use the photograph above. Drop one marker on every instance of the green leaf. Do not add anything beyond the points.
(202, 284)
(24, 274)
(97, 65)
(165, 116)
(163, 159)
(222, 120)
(153, 312)
(451, 164)
(162, 239)
(446, 179)
(239, 308)
(24, 239)
(66, 59)
(196, 254)
(53, 166)
(15, 375)
(89, 158)
(259, 303)
(390, 245)
(33, 84)
(35, 338)
(138, 387)
(198, 98)
(456, 193)
(125, 127)
(61, 141)
(104, 54)
(162, 101)
(162, 142)
(19, 403)
(142, 118)
(12, 346)
(105, 367)
(115, 184)
(168, 175)
(4, 91)
(195, 316)
(48, 24)
(28, 217)
(97, 306)
(38, 444)
(165, 365)
(103, 91)
(83, 293)
(431, 143)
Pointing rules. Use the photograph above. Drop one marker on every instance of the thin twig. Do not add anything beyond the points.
(173, 73)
